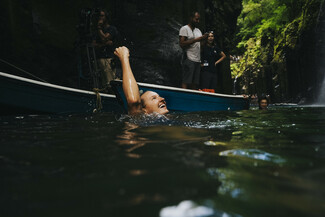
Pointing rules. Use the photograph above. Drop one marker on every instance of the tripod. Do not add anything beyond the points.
(88, 68)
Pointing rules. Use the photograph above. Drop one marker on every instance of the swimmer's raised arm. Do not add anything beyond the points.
(130, 86)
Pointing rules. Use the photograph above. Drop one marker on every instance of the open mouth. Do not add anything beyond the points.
(162, 106)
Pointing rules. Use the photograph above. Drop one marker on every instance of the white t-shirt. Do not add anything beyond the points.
(193, 51)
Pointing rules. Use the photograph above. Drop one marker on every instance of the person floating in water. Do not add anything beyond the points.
(263, 103)
(149, 102)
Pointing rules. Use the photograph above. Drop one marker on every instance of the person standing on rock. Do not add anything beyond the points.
(190, 38)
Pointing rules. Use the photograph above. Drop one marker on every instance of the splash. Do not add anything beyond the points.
(188, 208)
(146, 119)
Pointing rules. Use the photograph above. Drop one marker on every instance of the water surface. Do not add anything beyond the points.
(246, 163)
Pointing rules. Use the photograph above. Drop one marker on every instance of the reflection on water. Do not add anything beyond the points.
(230, 163)
(252, 154)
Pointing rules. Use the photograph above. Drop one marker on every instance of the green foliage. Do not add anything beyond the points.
(263, 25)
(262, 17)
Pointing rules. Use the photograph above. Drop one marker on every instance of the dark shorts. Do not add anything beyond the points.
(191, 72)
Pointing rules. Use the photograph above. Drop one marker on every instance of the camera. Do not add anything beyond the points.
(87, 22)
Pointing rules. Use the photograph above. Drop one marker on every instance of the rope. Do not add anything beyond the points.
(99, 105)
(23, 70)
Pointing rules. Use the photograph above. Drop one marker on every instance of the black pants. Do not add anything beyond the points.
(208, 79)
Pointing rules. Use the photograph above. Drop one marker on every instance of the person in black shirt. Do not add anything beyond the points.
(211, 56)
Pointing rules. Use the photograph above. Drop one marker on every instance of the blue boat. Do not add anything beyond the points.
(20, 95)
(184, 100)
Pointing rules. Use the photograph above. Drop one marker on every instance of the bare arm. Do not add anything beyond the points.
(223, 56)
(103, 36)
(108, 42)
(130, 86)
(184, 42)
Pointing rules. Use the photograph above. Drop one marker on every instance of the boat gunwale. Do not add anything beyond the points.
(162, 87)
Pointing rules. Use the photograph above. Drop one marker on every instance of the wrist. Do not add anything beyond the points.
(124, 58)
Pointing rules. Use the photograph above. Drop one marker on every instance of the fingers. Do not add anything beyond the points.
(121, 52)
(203, 37)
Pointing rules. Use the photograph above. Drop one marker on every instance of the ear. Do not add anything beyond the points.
(144, 110)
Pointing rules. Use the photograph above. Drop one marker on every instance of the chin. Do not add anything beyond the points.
(163, 112)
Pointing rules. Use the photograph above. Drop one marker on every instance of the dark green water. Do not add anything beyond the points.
(248, 163)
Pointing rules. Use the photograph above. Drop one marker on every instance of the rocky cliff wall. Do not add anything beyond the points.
(41, 36)
(285, 64)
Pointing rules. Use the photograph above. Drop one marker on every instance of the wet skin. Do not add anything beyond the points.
(263, 104)
(152, 102)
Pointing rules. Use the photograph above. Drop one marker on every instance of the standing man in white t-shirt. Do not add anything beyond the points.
(190, 38)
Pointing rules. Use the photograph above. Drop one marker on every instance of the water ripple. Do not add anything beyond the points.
(253, 154)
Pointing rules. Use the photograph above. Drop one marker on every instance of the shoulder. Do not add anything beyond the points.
(183, 30)
(135, 109)
(184, 27)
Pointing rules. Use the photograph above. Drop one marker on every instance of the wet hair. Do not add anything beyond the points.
(142, 102)
(141, 94)
(262, 98)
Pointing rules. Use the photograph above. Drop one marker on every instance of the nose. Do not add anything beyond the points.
(162, 98)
